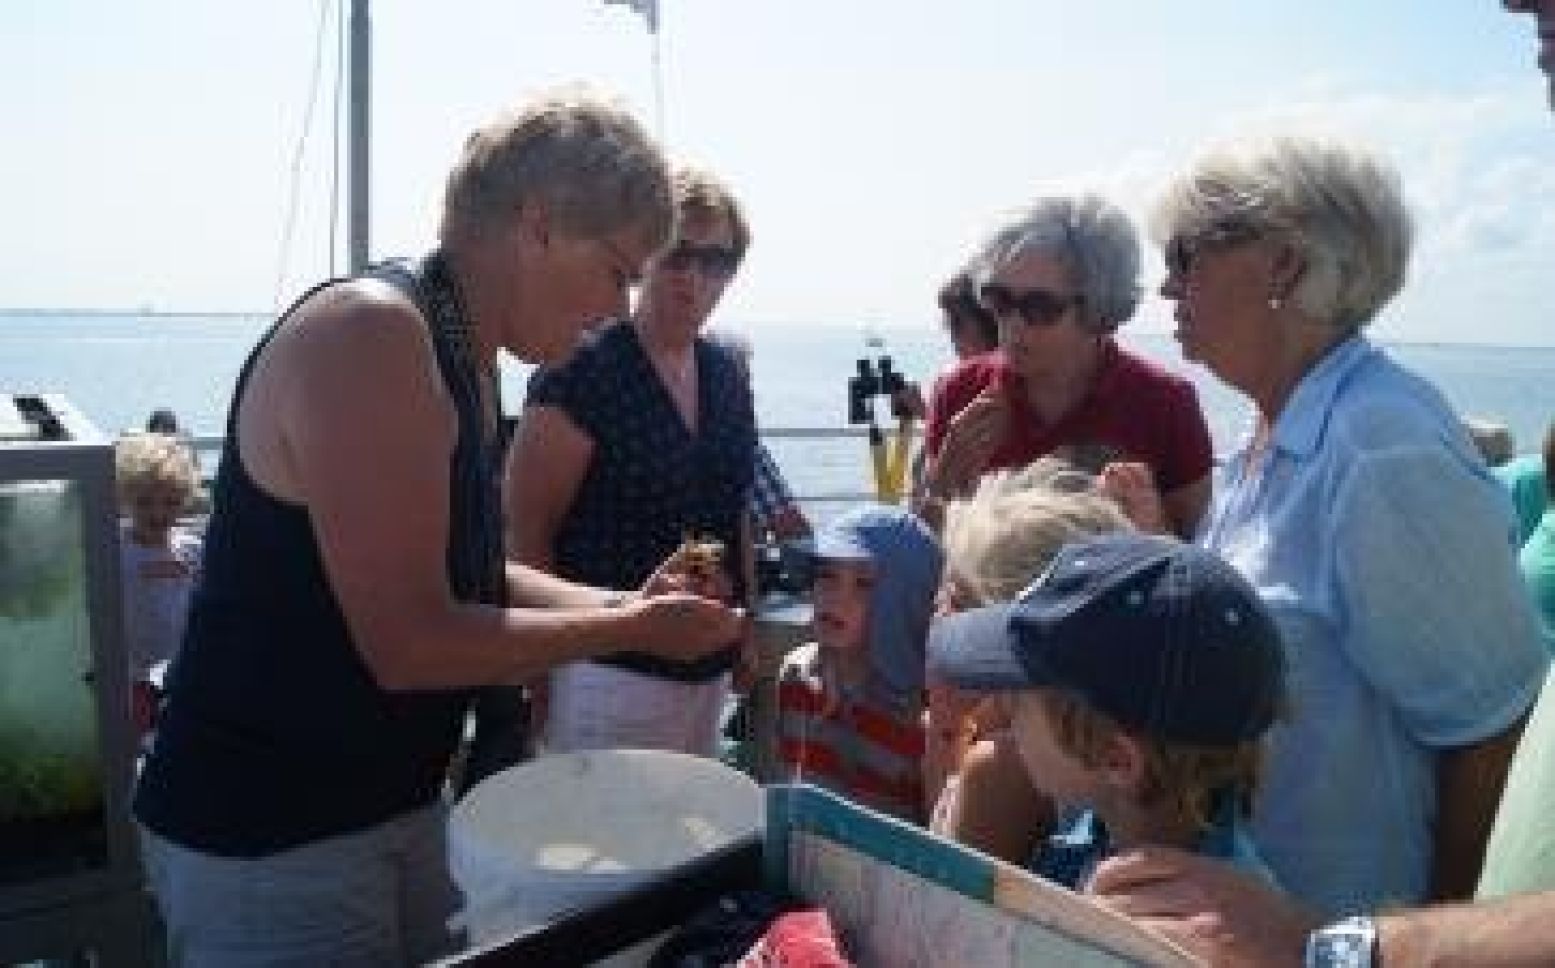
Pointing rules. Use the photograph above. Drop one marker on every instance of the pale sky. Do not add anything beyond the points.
(149, 143)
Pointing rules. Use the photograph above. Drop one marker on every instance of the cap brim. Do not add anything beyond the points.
(976, 650)
(829, 546)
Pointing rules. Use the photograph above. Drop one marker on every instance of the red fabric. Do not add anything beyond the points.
(822, 765)
(799, 939)
(881, 766)
(879, 728)
(1135, 406)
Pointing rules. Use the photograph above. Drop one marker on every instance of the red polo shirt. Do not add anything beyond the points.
(1134, 407)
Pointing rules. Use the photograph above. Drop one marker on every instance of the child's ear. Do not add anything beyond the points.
(1122, 763)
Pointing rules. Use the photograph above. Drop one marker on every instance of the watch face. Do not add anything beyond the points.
(1347, 948)
(1347, 944)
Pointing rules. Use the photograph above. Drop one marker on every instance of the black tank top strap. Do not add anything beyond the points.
(475, 563)
(254, 354)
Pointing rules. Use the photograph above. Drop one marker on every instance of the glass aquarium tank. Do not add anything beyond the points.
(68, 872)
(51, 776)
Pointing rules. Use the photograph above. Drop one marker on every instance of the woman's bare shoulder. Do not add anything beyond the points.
(355, 315)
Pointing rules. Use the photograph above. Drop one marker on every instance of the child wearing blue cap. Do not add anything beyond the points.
(1139, 675)
(850, 703)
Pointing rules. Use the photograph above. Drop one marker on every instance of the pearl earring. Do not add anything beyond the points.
(1275, 302)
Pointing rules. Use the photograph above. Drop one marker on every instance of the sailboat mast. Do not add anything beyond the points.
(360, 138)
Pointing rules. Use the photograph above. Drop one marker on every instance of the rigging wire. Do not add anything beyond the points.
(289, 225)
(334, 149)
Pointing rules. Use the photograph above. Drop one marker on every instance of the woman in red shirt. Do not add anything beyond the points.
(1061, 275)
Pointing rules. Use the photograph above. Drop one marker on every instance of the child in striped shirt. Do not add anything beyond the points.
(850, 703)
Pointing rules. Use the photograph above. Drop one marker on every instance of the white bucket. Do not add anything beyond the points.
(567, 831)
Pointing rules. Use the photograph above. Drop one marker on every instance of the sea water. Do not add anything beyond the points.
(116, 368)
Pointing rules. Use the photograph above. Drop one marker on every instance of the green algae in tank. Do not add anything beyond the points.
(49, 760)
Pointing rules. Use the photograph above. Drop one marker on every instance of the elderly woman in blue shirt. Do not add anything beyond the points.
(1359, 509)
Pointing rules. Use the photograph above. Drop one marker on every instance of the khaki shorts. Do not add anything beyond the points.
(381, 896)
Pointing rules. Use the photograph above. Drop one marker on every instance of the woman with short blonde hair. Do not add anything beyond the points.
(354, 590)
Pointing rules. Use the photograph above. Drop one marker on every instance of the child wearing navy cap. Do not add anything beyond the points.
(1139, 675)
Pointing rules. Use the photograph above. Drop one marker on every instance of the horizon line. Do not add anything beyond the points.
(866, 327)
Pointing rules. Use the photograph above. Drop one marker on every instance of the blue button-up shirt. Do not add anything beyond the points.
(1382, 545)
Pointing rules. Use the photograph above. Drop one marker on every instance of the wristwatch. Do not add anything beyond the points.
(1351, 943)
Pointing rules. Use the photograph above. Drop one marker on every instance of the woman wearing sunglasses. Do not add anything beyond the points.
(1060, 276)
(1359, 508)
(643, 439)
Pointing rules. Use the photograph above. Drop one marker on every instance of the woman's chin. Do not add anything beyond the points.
(553, 351)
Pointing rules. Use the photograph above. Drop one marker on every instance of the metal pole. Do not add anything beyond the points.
(658, 89)
(361, 133)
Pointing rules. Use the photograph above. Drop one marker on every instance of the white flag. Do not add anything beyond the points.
(648, 8)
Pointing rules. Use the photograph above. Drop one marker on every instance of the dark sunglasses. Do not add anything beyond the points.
(1036, 307)
(1182, 251)
(710, 260)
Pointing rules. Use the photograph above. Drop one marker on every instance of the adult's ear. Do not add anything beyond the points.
(1122, 764)
(1288, 264)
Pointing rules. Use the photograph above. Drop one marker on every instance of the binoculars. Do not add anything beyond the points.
(875, 379)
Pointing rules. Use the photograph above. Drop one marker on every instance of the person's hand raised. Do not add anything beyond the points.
(1131, 485)
(696, 567)
(971, 437)
(682, 611)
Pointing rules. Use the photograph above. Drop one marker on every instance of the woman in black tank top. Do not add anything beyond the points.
(355, 589)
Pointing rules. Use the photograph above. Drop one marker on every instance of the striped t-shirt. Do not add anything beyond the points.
(859, 750)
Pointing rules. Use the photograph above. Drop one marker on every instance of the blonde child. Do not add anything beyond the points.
(850, 703)
(157, 483)
(1004, 535)
(1139, 675)
(996, 542)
